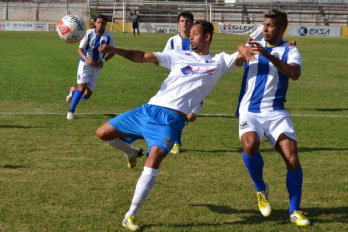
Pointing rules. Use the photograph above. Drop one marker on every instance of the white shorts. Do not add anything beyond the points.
(87, 75)
(272, 124)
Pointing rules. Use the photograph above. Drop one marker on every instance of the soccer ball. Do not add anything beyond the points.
(71, 28)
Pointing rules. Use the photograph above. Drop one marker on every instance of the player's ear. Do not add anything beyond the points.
(207, 37)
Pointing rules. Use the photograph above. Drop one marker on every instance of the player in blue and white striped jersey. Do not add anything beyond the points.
(91, 62)
(270, 64)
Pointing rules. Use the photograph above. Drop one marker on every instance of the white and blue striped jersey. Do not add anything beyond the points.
(91, 42)
(264, 87)
(178, 42)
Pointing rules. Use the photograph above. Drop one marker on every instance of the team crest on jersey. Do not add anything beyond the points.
(276, 54)
(188, 70)
(243, 125)
(168, 142)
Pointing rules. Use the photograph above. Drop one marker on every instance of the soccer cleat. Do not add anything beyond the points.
(70, 116)
(132, 160)
(263, 202)
(70, 95)
(129, 222)
(176, 149)
(299, 219)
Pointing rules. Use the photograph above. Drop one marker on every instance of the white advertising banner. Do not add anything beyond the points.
(27, 26)
(171, 28)
(228, 28)
(314, 30)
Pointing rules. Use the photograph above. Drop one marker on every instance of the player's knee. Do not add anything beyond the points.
(101, 133)
(292, 162)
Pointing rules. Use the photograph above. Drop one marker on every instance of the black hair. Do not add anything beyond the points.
(280, 17)
(101, 16)
(185, 14)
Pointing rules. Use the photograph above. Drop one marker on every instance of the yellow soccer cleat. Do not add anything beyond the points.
(263, 202)
(299, 219)
(176, 149)
(129, 222)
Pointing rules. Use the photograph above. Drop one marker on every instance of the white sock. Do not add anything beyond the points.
(127, 148)
(143, 187)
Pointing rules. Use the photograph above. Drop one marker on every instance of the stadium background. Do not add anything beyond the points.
(318, 16)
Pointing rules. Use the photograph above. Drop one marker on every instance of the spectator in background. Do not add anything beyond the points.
(135, 21)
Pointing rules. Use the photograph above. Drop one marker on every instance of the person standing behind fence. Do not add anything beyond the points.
(135, 22)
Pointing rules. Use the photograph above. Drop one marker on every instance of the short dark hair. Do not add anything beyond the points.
(208, 28)
(101, 16)
(280, 17)
(185, 14)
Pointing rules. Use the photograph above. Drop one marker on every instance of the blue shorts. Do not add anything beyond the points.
(159, 126)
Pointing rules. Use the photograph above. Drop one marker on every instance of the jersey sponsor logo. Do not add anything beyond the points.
(188, 70)
(243, 125)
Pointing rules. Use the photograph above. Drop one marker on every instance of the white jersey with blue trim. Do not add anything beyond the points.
(91, 42)
(178, 42)
(191, 79)
(264, 87)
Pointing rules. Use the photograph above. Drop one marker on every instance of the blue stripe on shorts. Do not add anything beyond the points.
(159, 126)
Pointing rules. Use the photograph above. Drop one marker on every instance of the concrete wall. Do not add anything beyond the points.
(41, 12)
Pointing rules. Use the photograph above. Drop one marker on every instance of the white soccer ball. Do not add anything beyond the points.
(71, 28)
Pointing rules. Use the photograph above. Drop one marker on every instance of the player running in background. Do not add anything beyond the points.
(90, 64)
(270, 64)
(181, 41)
(193, 74)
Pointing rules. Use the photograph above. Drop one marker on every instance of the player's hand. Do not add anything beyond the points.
(104, 48)
(246, 52)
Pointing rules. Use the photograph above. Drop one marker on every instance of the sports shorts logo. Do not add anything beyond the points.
(168, 142)
(243, 125)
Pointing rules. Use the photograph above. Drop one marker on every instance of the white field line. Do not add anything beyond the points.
(201, 115)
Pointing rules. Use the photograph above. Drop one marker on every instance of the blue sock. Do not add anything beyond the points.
(178, 139)
(75, 100)
(254, 165)
(294, 180)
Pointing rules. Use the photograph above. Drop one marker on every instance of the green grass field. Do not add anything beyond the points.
(57, 176)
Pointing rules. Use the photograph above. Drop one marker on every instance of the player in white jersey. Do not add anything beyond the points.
(193, 74)
(271, 63)
(181, 41)
(90, 64)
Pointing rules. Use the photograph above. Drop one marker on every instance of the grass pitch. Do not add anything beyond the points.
(57, 176)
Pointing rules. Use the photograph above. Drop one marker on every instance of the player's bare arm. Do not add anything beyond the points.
(291, 70)
(132, 55)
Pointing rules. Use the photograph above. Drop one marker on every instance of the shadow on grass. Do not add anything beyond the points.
(263, 150)
(16, 126)
(338, 214)
(11, 166)
(331, 110)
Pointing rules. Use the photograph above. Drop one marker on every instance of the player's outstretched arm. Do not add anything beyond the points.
(132, 55)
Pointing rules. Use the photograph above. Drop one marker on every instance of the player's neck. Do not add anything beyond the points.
(183, 35)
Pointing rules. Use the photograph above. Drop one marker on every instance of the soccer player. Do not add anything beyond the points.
(271, 63)
(90, 64)
(193, 74)
(181, 41)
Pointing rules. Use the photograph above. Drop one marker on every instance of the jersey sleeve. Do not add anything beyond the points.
(230, 61)
(112, 41)
(84, 41)
(168, 45)
(294, 56)
(164, 59)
